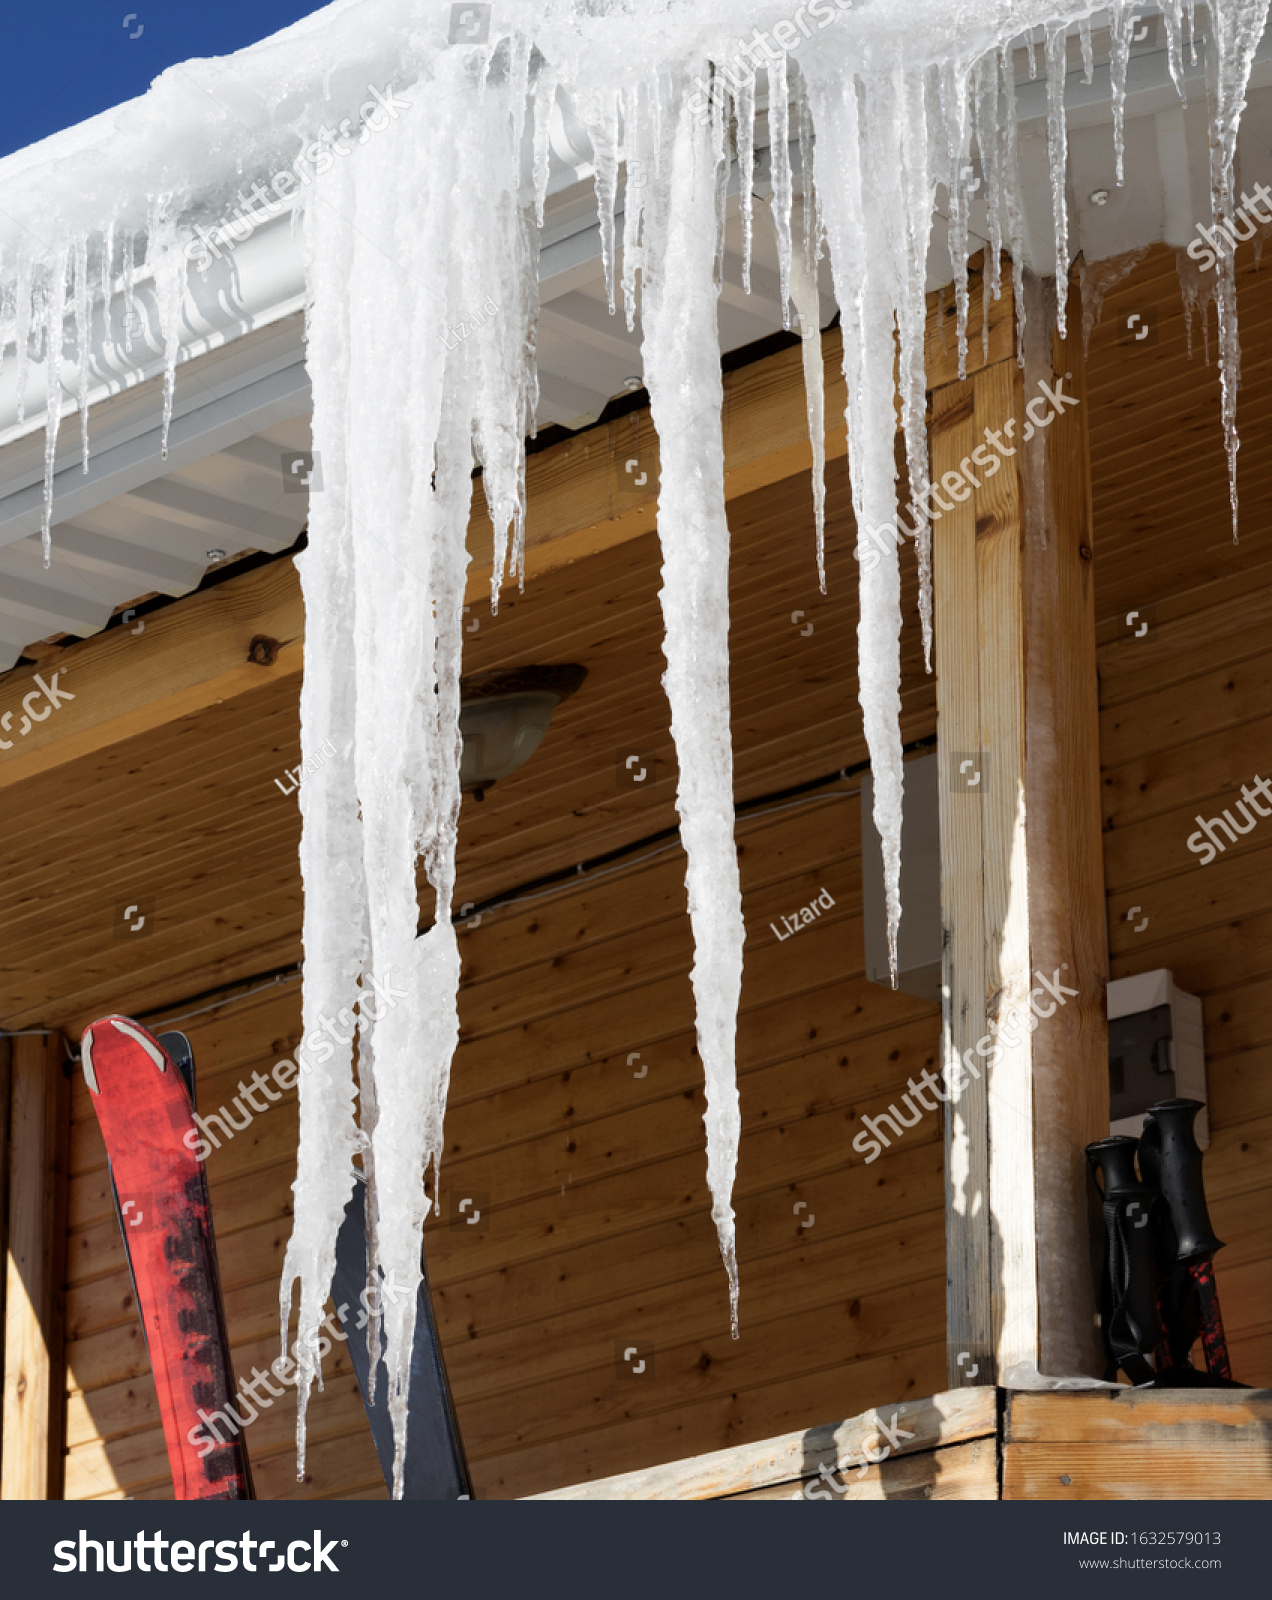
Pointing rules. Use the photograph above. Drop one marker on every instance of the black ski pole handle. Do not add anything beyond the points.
(1113, 1159)
(1172, 1149)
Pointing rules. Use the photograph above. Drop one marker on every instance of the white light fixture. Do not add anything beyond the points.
(503, 718)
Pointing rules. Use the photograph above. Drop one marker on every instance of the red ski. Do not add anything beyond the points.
(145, 1114)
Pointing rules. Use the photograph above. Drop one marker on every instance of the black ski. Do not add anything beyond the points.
(436, 1467)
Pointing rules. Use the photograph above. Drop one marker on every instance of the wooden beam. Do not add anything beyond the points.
(34, 1359)
(915, 1425)
(1022, 873)
(592, 491)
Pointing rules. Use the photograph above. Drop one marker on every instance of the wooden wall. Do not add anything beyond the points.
(1186, 719)
(596, 1230)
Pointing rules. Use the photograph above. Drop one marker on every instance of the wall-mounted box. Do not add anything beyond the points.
(919, 937)
(1156, 1050)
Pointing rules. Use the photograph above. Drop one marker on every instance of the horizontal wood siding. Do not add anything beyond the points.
(1186, 719)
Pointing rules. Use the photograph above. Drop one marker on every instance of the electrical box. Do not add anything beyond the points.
(1156, 1050)
(919, 936)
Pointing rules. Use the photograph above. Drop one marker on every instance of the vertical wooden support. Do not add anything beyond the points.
(1021, 858)
(34, 1365)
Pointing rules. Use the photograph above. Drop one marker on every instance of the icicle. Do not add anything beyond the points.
(638, 173)
(1196, 290)
(746, 169)
(1057, 151)
(804, 127)
(545, 89)
(954, 116)
(1238, 27)
(1122, 20)
(54, 318)
(985, 132)
(334, 928)
(804, 293)
(1031, 44)
(682, 370)
(392, 535)
(911, 118)
(1009, 168)
(83, 340)
(130, 300)
(1088, 57)
(24, 290)
(853, 185)
(780, 164)
(1172, 16)
(602, 125)
(721, 103)
(168, 273)
(107, 264)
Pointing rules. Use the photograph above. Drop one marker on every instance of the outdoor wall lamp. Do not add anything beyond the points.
(503, 717)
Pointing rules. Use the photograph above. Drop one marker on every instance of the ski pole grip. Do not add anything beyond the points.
(1180, 1178)
(1113, 1159)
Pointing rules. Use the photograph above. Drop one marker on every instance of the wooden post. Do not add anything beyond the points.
(1021, 857)
(34, 1364)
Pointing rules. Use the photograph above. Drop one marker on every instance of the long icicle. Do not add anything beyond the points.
(678, 318)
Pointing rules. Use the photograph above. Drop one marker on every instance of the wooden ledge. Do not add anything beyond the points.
(783, 1464)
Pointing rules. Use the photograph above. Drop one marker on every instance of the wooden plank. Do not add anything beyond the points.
(1075, 1471)
(969, 1305)
(943, 1419)
(33, 1353)
(1021, 864)
(191, 656)
(1187, 775)
(1067, 928)
(1138, 1444)
(958, 1472)
(1218, 1418)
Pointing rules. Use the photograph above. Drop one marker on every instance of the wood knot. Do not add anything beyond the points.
(263, 651)
(1085, 551)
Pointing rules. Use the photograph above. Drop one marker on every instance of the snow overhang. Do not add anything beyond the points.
(135, 523)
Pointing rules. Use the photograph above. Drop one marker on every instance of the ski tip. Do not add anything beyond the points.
(86, 1061)
(149, 1045)
(131, 1030)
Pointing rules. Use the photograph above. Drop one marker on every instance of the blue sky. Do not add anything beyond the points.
(69, 59)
